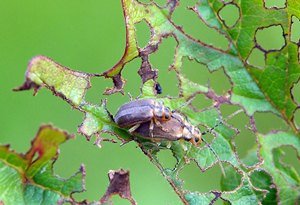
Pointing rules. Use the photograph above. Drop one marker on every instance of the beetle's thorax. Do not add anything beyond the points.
(160, 112)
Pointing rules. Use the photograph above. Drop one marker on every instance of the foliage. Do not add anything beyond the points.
(266, 89)
(29, 179)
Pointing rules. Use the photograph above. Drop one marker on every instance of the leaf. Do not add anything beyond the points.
(253, 89)
(282, 68)
(63, 82)
(71, 86)
(29, 178)
(286, 178)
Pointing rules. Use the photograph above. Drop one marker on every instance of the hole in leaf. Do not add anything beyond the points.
(289, 157)
(116, 199)
(297, 118)
(133, 80)
(195, 27)
(161, 60)
(275, 4)
(232, 179)
(296, 92)
(143, 33)
(200, 74)
(252, 157)
(166, 158)
(298, 54)
(94, 94)
(256, 58)
(245, 141)
(115, 101)
(295, 30)
(195, 180)
(262, 180)
(186, 4)
(201, 101)
(132, 86)
(35, 157)
(219, 202)
(266, 122)
(230, 14)
(145, 1)
(270, 38)
(160, 3)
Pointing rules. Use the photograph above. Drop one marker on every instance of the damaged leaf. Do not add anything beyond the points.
(118, 184)
(29, 178)
(282, 68)
(71, 86)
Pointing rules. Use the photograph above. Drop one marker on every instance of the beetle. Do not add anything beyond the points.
(134, 113)
(150, 119)
(177, 128)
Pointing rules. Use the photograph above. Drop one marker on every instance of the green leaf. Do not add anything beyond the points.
(286, 178)
(282, 68)
(71, 86)
(29, 178)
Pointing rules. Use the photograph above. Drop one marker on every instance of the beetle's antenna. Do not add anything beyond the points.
(212, 128)
(218, 158)
(130, 96)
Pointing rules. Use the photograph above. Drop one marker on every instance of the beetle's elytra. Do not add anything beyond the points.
(140, 111)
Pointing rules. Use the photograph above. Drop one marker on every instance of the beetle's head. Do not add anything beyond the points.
(197, 137)
(193, 135)
(166, 114)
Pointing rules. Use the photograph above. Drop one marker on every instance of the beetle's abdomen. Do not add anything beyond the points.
(168, 130)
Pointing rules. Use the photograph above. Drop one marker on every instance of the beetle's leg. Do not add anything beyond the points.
(132, 129)
(151, 127)
(160, 125)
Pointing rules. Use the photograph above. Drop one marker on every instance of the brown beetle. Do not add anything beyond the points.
(134, 113)
(150, 119)
(176, 128)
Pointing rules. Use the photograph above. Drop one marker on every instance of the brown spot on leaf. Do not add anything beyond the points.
(118, 184)
(146, 72)
(118, 85)
(27, 85)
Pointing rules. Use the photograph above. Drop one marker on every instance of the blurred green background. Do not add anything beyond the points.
(90, 36)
